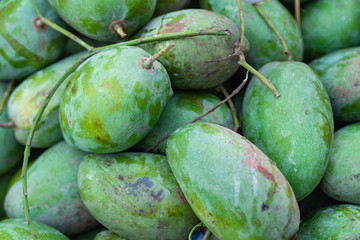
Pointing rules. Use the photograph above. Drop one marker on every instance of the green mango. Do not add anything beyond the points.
(90, 235)
(340, 222)
(112, 90)
(27, 98)
(10, 150)
(53, 195)
(265, 45)
(180, 109)
(295, 130)
(234, 188)
(135, 195)
(17, 229)
(341, 179)
(108, 235)
(25, 48)
(187, 63)
(4, 182)
(329, 25)
(340, 73)
(95, 19)
(166, 6)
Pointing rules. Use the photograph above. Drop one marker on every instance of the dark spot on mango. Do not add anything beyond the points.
(264, 207)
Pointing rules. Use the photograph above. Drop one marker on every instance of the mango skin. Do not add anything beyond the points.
(182, 108)
(23, 50)
(187, 62)
(90, 234)
(340, 73)
(166, 6)
(108, 235)
(53, 195)
(341, 179)
(295, 130)
(111, 91)
(135, 195)
(235, 189)
(27, 98)
(4, 182)
(341, 222)
(265, 46)
(329, 25)
(16, 229)
(93, 18)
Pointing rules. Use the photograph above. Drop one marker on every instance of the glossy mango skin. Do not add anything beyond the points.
(135, 195)
(93, 18)
(295, 130)
(165, 6)
(234, 188)
(111, 102)
(108, 235)
(329, 25)
(16, 229)
(341, 222)
(53, 195)
(265, 46)
(340, 73)
(182, 108)
(341, 179)
(26, 99)
(187, 62)
(23, 50)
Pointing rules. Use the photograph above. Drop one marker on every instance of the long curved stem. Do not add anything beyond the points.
(232, 107)
(242, 24)
(193, 229)
(6, 96)
(297, 12)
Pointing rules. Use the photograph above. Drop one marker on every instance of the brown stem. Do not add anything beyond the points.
(297, 12)
(207, 234)
(148, 63)
(241, 13)
(6, 96)
(232, 107)
(7, 125)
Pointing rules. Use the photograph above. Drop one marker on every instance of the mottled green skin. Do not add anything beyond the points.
(329, 25)
(340, 73)
(295, 130)
(16, 229)
(136, 196)
(108, 235)
(93, 18)
(22, 49)
(26, 99)
(4, 182)
(234, 188)
(187, 63)
(341, 179)
(166, 6)
(265, 45)
(90, 235)
(340, 222)
(53, 195)
(10, 150)
(180, 109)
(112, 102)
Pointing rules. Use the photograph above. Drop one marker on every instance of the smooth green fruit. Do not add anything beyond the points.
(135, 195)
(166, 6)
(95, 18)
(340, 73)
(27, 98)
(188, 63)
(108, 235)
(182, 108)
(295, 130)
(4, 182)
(234, 188)
(112, 101)
(90, 235)
(17, 229)
(341, 179)
(23, 47)
(340, 222)
(265, 45)
(53, 195)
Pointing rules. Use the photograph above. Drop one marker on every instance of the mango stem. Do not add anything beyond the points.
(6, 96)
(207, 235)
(194, 228)
(7, 125)
(297, 12)
(148, 63)
(118, 28)
(232, 107)
(241, 13)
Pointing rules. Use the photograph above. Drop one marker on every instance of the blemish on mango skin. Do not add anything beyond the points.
(254, 163)
(69, 122)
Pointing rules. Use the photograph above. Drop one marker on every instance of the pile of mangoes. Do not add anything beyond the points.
(179, 119)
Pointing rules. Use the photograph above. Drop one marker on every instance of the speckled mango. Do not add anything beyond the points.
(136, 196)
(187, 63)
(340, 73)
(265, 45)
(23, 47)
(182, 108)
(329, 25)
(341, 179)
(112, 101)
(53, 195)
(166, 6)
(108, 235)
(341, 222)
(27, 98)
(10, 150)
(234, 188)
(96, 19)
(16, 229)
(295, 130)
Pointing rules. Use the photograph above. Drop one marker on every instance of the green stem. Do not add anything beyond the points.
(232, 107)
(297, 12)
(6, 96)
(241, 23)
(148, 63)
(272, 26)
(193, 230)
